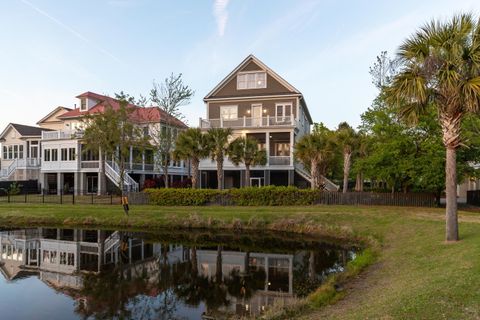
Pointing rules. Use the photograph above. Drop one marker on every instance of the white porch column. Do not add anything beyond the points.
(292, 138)
(82, 183)
(101, 176)
(59, 183)
(76, 183)
(130, 158)
(267, 146)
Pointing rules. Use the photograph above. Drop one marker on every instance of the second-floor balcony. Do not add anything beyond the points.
(61, 135)
(248, 122)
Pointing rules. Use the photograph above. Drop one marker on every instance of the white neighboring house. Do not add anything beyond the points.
(61, 162)
(20, 152)
(254, 101)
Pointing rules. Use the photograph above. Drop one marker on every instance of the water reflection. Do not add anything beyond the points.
(127, 275)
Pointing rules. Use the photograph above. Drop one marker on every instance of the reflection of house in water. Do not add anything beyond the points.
(275, 271)
(63, 257)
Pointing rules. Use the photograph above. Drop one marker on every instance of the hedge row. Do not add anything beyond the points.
(264, 196)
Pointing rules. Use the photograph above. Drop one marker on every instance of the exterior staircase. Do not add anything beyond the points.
(112, 171)
(328, 185)
(7, 172)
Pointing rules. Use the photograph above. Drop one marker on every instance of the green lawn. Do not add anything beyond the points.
(416, 276)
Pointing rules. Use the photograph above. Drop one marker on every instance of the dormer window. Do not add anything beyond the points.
(251, 80)
(83, 104)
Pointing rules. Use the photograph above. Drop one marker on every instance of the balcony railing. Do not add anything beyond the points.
(61, 135)
(247, 122)
(28, 163)
(279, 160)
(95, 164)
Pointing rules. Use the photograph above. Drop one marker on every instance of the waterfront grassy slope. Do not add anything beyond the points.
(416, 275)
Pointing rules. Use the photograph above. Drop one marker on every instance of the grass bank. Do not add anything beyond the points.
(416, 274)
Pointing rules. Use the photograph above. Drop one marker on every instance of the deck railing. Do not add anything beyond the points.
(247, 122)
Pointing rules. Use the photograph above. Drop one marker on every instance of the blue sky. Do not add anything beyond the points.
(52, 51)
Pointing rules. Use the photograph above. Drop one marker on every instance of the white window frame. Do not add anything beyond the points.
(283, 116)
(256, 80)
(229, 107)
(86, 104)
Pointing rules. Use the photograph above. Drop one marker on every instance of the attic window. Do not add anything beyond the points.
(83, 104)
(251, 80)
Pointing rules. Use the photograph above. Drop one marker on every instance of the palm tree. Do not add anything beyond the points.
(363, 148)
(218, 146)
(440, 67)
(191, 145)
(245, 150)
(315, 151)
(346, 137)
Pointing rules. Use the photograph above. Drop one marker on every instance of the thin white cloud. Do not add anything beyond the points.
(221, 15)
(69, 29)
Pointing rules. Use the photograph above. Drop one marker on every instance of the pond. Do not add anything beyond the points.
(51, 273)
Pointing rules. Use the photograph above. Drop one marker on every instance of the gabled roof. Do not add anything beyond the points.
(262, 65)
(139, 114)
(23, 130)
(54, 111)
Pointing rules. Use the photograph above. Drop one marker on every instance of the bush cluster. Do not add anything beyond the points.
(251, 196)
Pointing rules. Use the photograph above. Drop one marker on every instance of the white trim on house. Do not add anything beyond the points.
(256, 80)
(225, 107)
(283, 105)
(269, 97)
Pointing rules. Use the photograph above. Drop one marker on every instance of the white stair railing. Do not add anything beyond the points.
(112, 241)
(7, 172)
(112, 171)
(329, 185)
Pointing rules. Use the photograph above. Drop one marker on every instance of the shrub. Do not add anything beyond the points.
(251, 196)
(182, 197)
(272, 196)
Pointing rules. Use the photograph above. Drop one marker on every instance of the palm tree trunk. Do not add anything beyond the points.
(359, 182)
(314, 174)
(451, 139)
(220, 173)
(451, 193)
(195, 164)
(247, 175)
(347, 156)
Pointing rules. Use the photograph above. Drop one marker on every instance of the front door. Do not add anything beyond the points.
(256, 182)
(92, 184)
(256, 115)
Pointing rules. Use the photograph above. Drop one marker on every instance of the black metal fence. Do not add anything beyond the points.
(62, 198)
(324, 198)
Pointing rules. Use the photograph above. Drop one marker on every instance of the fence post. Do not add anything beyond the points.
(73, 197)
(61, 196)
(43, 196)
(8, 197)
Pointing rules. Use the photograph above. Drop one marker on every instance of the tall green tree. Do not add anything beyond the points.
(218, 142)
(191, 145)
(440, 66)
(346, 138)
(315, 151)
(245, 150)
(169, 96)
(111, 134)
